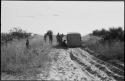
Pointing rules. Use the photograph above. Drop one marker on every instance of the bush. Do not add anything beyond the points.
(111, 34)
(15, 33)
(19, 33)
(5, 37)
(112, 45)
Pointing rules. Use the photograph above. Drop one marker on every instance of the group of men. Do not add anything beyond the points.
(60, 40)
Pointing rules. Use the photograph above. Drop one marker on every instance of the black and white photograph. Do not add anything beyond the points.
(62, 40)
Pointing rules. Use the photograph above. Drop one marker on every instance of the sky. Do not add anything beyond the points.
(61, 16)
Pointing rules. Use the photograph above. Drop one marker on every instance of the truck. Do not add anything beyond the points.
(73, 40)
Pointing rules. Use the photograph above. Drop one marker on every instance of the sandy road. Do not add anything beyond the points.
(78, 65)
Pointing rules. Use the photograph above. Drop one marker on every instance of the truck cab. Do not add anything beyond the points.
(74, 40)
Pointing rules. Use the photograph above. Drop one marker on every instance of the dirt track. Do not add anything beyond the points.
(76, 64)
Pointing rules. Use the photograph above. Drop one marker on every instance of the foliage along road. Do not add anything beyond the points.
(76, 64)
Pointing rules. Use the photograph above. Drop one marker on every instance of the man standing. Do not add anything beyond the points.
(27, 43)
(57, 38)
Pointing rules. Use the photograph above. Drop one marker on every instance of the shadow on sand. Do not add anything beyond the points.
(60, 47)
(64, 47)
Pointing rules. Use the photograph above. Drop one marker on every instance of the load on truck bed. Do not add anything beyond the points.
(74, 40)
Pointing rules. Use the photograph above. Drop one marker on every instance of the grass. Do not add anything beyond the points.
(108, 51)
(113, 51)
(17, 59)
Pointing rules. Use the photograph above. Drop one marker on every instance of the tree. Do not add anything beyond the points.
(111, 34)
